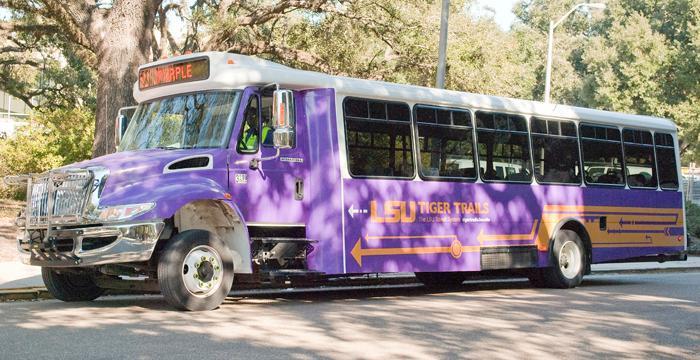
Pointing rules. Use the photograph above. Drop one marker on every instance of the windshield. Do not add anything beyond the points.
(191, 121)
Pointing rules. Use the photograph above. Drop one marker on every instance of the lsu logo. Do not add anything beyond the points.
(393, 212)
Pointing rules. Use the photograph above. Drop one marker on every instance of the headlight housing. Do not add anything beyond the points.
(122, 212)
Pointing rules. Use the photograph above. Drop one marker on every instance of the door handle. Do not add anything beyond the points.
(299, 189)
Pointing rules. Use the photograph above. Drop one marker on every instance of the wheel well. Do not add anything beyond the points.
(221, 219)
(580, 230)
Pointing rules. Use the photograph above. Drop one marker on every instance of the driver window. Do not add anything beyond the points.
(250, 130)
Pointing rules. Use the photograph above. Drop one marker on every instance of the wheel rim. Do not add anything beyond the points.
(570, 260)
(202, 271)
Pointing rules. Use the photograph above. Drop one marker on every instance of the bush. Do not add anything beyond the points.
(692, 216)
(53, 138)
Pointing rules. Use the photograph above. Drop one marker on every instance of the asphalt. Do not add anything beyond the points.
(610, 316)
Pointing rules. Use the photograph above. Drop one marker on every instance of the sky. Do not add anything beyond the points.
(501, 10)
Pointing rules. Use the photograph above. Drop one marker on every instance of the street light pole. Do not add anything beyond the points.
(442, 52)
(550, 43)
(548, 71)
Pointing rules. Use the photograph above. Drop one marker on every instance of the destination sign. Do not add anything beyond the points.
(174, 73)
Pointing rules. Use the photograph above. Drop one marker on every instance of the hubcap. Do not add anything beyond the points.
(570, 260)
(202, 271)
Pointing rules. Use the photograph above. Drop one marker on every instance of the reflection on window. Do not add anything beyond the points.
(555, 150)
(504, 149)
(248, 137)
(267, 130)
(182, 122)
(666, 154)
(445, 143)
(602, 155)
(639, 158)
(378, 138)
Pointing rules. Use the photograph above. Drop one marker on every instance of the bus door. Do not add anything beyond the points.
(268, 189)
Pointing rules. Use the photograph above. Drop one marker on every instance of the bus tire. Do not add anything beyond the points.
(195, 271)
(71, 286)
(568, 261)
(440, 279)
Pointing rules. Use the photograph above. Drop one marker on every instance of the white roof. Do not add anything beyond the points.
(247, 70)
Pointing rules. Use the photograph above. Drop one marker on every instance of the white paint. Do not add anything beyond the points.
(247, 71)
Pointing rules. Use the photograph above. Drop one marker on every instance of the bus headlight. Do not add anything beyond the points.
(122, 212)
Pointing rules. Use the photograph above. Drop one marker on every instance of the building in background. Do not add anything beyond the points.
(13, 114)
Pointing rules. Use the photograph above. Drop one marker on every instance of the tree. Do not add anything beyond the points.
(638, 56)
(113, 42)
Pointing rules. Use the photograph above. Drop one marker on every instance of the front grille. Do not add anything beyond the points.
(58, 197)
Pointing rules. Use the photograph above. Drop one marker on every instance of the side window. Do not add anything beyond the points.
(602, 155)
(266, 116)
(555, 151)
(445, 143)
(378, 136)
(504, 148)
(250, 129)
(666, 155)
(640, 166)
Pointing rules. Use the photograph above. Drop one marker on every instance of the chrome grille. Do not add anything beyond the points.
(58, 197)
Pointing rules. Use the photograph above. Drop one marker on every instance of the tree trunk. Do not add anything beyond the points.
(125, 43)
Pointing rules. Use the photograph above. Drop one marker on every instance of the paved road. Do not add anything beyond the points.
(631, 316)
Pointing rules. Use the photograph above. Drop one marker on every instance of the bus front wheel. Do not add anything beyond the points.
(195, 271)
(567, 257)
(71, 285)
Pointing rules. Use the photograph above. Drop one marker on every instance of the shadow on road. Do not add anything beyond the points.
(626, 316)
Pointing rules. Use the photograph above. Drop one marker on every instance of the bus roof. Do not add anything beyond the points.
(234, 71)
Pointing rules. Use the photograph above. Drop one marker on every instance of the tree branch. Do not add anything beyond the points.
(38, 29)
(289, 54)
(265, 14)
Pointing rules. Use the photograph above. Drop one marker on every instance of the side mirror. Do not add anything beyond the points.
(284, 117)
(122, 122)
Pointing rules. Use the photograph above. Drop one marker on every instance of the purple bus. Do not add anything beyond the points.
(235, 171)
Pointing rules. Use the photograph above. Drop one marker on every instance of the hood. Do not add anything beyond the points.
(135, 166)
(141, 176)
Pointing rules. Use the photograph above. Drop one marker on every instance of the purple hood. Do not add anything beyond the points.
(139, 177)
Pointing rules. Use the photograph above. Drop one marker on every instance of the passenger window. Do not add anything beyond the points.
(602, 155)
(640, 166)
(378, 136)
(555, 151)
(445, 143)
(266, 117)
(666, 155)
(250, 129)
(504, 148)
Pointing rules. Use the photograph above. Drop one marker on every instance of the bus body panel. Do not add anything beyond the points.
(409, 226)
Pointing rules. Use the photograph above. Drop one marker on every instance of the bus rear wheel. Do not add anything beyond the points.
(568, 263)
(440, 279)
(195, 271)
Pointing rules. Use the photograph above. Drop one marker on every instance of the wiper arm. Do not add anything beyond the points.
(174, 147)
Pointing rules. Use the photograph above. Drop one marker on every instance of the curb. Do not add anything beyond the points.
(644, 271)
(19, 294)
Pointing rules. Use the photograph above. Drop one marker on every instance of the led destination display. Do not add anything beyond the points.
(174, 73)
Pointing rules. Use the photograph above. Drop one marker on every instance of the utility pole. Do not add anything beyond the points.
(442, 55)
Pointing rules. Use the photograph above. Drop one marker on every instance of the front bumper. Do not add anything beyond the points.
(88, 246)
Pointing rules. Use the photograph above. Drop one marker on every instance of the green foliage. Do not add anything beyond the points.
(637, 56)
(692, 218)
(52, 139)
